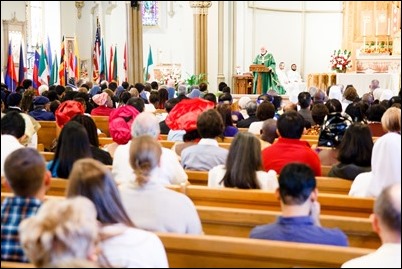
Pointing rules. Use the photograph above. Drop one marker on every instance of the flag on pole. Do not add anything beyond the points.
(35, 75)
(77, 61)
(103, 63)
(62, 66)
(95, 55)
(111, 64)
(11, 76)
(21, 67)
(49, 55)
(54, 75)
(114, 72)
(125, 62)
(149, 63)
(43, 68)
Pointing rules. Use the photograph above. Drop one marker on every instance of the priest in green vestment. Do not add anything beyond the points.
(269, 80)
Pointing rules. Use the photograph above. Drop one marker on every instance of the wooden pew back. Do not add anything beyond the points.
(331, 204)
(239, 222)
(102, 123)
(209, 251)
(47, 133)
(324, 184)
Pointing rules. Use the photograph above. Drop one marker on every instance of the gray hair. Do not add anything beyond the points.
(251, 108)
(145, 123)
(182, 89)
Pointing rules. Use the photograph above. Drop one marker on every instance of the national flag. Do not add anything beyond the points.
(43, 68)
(149, 63)
(35, 76)
(76, 60)
(54, 75)
(125, 62)
(49, 55)
(111, 64)
(62, 66)
(21, 67)
(103, 63)
(114, 72)
(11, 76)
(95, 55)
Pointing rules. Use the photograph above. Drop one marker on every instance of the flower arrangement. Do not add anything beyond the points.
(173, 73)
(341, 60)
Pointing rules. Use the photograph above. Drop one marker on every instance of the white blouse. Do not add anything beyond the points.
(266, 180)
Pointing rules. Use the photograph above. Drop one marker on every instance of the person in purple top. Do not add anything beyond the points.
(300, 211)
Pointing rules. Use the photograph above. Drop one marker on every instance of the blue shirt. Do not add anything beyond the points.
(13, 211)
(300, 229)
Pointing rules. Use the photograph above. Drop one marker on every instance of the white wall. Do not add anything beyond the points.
(301, 32)
(69, 19)
(8, 9)
(172, 40)
(304, 33)
(52, 26)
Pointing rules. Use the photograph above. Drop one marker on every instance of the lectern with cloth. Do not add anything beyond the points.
(258, 69)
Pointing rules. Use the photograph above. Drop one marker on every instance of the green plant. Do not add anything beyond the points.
(196, 79)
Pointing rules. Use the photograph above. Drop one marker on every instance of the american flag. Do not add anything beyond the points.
(96, 54)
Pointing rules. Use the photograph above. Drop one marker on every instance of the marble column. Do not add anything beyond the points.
(221, 76)
(200, 9)
(135, 72)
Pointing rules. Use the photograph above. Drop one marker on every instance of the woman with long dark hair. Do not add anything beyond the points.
(243, 168)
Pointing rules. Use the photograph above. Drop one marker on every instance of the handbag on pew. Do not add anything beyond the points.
(333, 129)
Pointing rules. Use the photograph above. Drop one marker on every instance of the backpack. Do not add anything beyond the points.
(333, 129)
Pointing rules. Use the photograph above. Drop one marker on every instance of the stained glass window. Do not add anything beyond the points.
(150, 13)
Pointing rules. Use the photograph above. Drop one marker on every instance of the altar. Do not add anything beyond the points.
(362, 81)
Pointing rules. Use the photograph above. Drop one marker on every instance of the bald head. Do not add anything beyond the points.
(387, 207)
(268, 131)
(145, 123)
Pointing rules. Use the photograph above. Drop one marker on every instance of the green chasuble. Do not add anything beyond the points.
(269, 79)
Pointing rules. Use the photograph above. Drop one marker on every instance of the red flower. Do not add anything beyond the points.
(340, 61)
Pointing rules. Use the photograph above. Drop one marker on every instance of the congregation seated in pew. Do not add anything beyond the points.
(166, 210)
(123, 244)
(238, 173)
(26, 174)
(300, 211)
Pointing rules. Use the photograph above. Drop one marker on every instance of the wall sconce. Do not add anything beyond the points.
(79, 5)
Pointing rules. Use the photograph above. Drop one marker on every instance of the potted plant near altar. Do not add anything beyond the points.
(341, 61)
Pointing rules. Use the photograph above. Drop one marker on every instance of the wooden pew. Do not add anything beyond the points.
(209, 251)
(5, 264)
(47, 133)
(203, 251)
(239, 222)
(104, 141)
(167, 143)
(243, 129)
(47, 155)
(325, 170)
(58, 187)
(102, 123)
(331, 204)
(324, 184)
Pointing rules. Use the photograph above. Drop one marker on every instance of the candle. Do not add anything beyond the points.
(389, 27)
(364, 28)
(376, 27)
